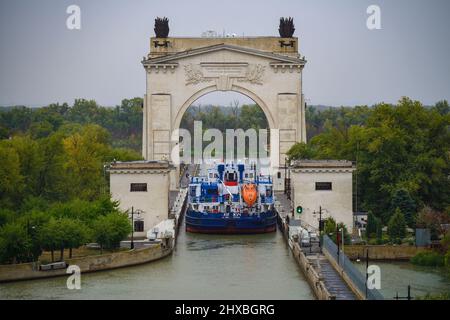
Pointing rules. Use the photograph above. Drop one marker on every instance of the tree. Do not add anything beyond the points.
(15, 243)
(329, 226)
(442, 107)
(434, 220)
(51, 237)
(11, 180)
(74, 233)
(6, 216)
(372, 225)
(85, 152)
(33, 221)
(110, 229)
(402, 200)
(397, 227)
(301, 150)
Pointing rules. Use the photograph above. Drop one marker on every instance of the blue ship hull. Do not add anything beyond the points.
(218, 223)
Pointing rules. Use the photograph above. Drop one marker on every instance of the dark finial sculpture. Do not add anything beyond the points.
(162, 27)
(287, 27)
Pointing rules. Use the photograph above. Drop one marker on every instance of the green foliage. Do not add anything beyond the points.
(124, 122)
(15, 244)
(11, 179)
(447, 260)
(428, 258)
(397, 147)
(110, 229)
(397, 227)
(440, 296)
(374, 228)
(433, 220)
(301, 150)
(331, 228)
(6, 216)
(401, 199)
(75, 233)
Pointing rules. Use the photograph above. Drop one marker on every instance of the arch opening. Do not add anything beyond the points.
(231, 126)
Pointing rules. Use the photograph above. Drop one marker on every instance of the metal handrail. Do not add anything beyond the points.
(358, 279)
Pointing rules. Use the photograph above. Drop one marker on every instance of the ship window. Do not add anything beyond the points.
(138, 187)
(193, 190)
(323, 186)
(211, 191)
(139, 226)
(268, 192)
(231, 176)
(195, 206)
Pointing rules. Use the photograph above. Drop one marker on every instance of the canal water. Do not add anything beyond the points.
(396, 276)
(201, 267)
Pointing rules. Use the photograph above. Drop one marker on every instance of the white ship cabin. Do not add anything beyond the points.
(249, 175)
(213, 175)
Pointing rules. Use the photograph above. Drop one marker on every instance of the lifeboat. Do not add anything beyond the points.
(249, 194)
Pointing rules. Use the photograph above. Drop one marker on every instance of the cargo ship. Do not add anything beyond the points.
(231, 199)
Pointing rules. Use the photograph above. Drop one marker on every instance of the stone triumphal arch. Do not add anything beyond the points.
(266, 69)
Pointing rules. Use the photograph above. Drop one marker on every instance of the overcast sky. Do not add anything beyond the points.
(41, 61)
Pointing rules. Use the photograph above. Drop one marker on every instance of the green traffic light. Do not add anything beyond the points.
(299, 209)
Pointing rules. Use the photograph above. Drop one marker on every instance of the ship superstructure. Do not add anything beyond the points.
(231, 198)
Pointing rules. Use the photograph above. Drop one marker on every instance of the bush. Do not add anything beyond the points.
(428, 258)
(397, 227)
(110, 229)
(440, 296)
(15, 244)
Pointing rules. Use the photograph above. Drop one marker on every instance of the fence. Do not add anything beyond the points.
(357, 278)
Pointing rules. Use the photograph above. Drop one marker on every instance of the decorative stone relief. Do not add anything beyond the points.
(254, 74)
(194, 74)
(224, 73)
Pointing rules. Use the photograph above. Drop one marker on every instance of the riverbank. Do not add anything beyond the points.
(30, 271)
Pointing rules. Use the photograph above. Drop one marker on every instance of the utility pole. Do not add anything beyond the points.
(320, 228)
(337, 242)
(367, 273)
(132, 227)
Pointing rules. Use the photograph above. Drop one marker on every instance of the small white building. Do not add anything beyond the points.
(144, 187)
(323, 183)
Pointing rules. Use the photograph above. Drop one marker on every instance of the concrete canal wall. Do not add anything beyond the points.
(382, 252)
(28, 271)
(315, 281)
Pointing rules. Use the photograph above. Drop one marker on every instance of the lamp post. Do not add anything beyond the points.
(338, 240)
(367, 272)
(341, 230)
(132, 228)
(320, 226)
(285, 176)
